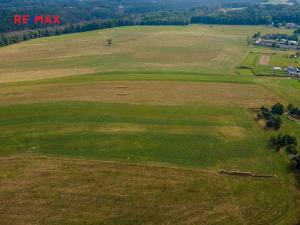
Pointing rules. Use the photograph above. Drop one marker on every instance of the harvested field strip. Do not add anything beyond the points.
(143, 92)
(118, 193)
(138, 76)
(222, 131)
(264, 60)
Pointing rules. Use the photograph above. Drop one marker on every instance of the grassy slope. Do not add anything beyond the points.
(204, 49)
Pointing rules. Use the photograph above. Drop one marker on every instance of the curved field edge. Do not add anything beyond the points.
(43, 189)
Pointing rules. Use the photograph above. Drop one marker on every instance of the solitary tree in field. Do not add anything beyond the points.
(109, 42)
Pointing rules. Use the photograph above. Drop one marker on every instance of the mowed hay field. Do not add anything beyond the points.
(142, 92)
(135, 133)
(202, 49)
(67, 191)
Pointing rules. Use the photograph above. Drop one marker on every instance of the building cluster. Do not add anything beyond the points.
(282, 43)
(284, 25)
(292, 71)
(291, 26)
(277, 40)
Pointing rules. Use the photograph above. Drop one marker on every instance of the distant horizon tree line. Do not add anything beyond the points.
(248, 15)
(24, 35)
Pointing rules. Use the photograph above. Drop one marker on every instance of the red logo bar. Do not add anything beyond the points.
(40, 19)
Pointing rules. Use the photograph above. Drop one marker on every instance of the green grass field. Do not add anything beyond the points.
(137, 131)
(192, 136)
(284, 87)
(198, 49)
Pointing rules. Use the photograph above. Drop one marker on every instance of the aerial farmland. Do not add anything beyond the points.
(150, 113)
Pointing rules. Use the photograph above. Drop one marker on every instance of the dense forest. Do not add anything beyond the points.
(79, 16)
(77, 11)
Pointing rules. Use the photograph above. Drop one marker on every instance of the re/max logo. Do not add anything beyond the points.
(41, 20)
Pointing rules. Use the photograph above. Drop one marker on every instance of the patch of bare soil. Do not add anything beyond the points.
(264, 60)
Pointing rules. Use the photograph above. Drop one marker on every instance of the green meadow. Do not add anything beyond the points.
(192, 136)
(198, 49)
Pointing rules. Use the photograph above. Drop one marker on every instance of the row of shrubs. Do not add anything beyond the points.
(24, 35)
(289, 143)
(18, 36)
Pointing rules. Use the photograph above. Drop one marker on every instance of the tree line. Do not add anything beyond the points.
(18, 36)
(77, 11)
(288, 143)
(24, 35)
(247, 14)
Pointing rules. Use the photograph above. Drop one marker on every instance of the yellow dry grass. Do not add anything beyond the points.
(142, 92)
(47, 190)
(205, 49)
(229, 131)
